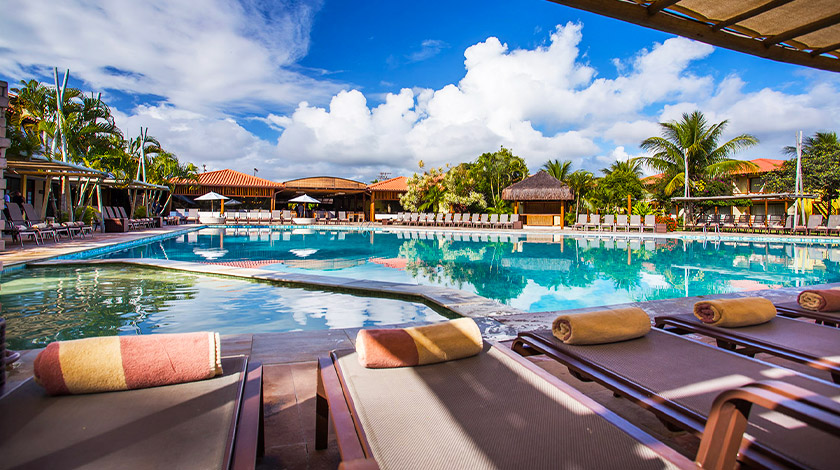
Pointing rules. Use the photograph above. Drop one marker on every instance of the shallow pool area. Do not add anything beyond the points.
(529, 272)
(44, 304)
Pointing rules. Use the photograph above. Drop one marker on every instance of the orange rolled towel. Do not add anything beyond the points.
(604, 326)
(732, 313)
(420, 345)
(112, 363)
(820, 300)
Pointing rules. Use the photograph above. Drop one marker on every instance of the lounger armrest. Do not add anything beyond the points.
(333, 404)
(360, 464)
(730, 411)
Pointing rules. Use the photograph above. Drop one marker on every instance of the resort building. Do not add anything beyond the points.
(250, 190)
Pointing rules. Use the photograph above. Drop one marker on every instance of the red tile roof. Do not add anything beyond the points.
(232, 178)
(400, 183)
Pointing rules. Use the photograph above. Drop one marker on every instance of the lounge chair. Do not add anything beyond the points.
(214, 423)
(484, 221)
(20, 231)
(582, 220)
(447, 219)
(713, 223)
(776, 223)
(439, 219)
(342, 218)
(759, 223)
(493, 410)
(504, 221)
(192, 216)
(814, 221)
(650, 222)
(691, 223)
(727, 222)
(794, 310)
(832, 225)
(743, 223)
(494, 221)
(608, 223)
(514, 220)
(636, 222)
(265, 217)
(678, 379)
(813, 345)
(621, 222)
(277, 217)
(594, 222)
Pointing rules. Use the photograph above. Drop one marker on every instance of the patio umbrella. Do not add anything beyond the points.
(213, 196)
(305, 199)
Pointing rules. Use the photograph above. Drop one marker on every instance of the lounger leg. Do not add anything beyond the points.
(322, 414)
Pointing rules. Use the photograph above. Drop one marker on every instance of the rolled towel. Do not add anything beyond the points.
(604, 326)
(419, 345)
(732, 313)
(111, 363)
(820, 300)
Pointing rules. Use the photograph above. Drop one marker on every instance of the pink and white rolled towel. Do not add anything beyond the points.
(112, 363)
(820, 300)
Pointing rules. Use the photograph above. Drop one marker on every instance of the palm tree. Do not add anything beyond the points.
(558, 169)
(631, 165)
(820, 141)
(581, 182)
(688, 150)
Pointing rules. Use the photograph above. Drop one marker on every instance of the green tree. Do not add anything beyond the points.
(461, 190)
(689, 149)
(822, 140)
(496, 171)
(820, 173)
(581, 183)
(559, 169)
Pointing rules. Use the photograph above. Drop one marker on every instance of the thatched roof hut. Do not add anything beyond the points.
(538, 187)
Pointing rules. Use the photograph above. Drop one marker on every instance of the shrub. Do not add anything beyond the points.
(670, 224)
(86, 214)
(139, 212)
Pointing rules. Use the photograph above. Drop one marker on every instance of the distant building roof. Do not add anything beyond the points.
(231, 178)
(400, 183)
(765, 165)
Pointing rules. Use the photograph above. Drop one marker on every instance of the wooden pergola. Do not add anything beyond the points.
(802, 32)
(230, 183)
(542, 196)
(342, 193)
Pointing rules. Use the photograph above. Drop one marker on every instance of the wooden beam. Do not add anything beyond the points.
(802, 30)
(637, 14)
(749, 14)
(660, 5)
(825, 49)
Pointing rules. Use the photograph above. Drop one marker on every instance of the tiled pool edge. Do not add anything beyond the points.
(456, 301)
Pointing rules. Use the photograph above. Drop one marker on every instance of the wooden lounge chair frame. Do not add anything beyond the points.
(734, 340)
(794, 310)
(671, 413)
(334, 405)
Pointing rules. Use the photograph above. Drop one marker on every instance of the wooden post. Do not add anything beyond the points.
(766, 210)
(23, 189)
(47, 191)
(786, 207)
(99, 204)
(628, 204)
(716, 210)
(372, 207)
(562, 218)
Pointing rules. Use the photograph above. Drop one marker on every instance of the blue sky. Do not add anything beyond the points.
(353, 89)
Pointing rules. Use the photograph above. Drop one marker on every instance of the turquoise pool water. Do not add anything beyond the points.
(530, 274)
(41, 305)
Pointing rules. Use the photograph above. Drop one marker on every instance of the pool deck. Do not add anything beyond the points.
(289, 358)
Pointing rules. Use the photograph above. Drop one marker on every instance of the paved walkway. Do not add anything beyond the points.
(289, 358)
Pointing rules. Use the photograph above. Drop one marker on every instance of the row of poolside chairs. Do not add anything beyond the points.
(456, 220)
(24, 222)
(760, 223)
(615, 222)
(267, 217)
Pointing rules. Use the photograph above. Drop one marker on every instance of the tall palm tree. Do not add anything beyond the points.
(689, 149)
(558, 169)
(581, 182)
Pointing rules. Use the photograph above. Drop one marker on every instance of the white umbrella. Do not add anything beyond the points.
(305, 199)
(213, 196)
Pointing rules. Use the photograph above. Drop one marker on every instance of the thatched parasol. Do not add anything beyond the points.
(538, 187)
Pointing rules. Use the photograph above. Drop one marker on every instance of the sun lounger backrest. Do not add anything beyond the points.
(439, 217)
(485, 218)
(650, 220)
(609, 219)
(447, 218)
(31, 214)
(833, 221)
(456, 219)
(504, 219)
(476, 218)
(815, 221)
(192, 212)
(494, 219)
(582, 219)
(15, 216)
(514, 218)
(595, 219)
(621, 219)
(635, 220)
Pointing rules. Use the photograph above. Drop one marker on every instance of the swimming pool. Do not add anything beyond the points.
(44, 304)
(531, 273)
